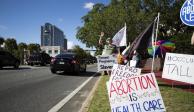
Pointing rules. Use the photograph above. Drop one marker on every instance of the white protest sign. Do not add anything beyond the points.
(133, 63)
(135, 94)
(123, 72)
(179, 67)
(105, 62)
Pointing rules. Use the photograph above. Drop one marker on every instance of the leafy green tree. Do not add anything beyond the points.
(92, 26)
(110, 19)
(21, 47)
(33, 47)
(11, 45)
(137, 14)
(81, 53)
(1, 40)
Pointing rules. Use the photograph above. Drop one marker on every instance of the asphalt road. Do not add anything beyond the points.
(37, 90)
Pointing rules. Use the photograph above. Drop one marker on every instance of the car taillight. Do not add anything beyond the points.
(73, 62)
(53, 60)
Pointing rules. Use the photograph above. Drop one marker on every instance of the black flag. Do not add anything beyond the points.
(141, 42)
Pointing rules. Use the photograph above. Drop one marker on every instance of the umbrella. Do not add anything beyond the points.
(161, 47)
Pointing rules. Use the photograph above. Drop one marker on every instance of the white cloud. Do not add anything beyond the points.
(89, 5)
(70, 44)
(2, 27)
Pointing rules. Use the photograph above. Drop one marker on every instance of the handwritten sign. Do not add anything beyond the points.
(179, 67)
(135, 94)
(187, 13)
(123, 72)
(105, 62)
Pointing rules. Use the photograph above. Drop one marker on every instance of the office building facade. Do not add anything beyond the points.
(52, 39)
(52, 36)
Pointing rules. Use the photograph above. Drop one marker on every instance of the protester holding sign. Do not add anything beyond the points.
(109, 48)
(105, 62)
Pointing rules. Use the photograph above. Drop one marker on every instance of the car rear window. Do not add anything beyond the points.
(35, 54)
(65, 56)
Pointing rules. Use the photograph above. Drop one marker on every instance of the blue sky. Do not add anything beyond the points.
(21, 19)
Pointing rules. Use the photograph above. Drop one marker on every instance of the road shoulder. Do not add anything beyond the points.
(87, 102)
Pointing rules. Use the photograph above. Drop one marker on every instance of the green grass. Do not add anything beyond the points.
(100, 101)
(175, 100)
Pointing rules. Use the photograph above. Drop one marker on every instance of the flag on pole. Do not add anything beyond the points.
(120, 38)
(155, 34)
(126, 50)
(142, 42)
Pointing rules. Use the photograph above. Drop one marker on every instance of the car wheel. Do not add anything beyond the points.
(53, 71)
(43, 64)
(32, 64)
(16, 65)
(85, 68)
(76, 71)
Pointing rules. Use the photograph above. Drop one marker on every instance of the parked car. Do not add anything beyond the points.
(7, 59)
(39, 59)
(67, 62)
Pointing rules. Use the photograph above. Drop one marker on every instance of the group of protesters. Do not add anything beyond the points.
(111, 49)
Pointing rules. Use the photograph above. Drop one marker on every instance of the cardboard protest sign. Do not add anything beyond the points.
(179, 67)
(105, 62)
(123, 72)
(135, 94)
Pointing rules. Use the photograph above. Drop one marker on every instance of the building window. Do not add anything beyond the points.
(50, 51)
(56, 51)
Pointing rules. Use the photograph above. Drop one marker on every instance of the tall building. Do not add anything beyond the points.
(65, 43)
(53, 40)
(52, 36)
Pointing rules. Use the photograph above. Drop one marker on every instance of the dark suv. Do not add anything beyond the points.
(7, 59)
(39, 59)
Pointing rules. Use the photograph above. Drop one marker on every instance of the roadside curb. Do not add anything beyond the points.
(87, 102)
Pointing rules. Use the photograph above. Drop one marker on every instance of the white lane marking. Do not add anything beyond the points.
(59, 105)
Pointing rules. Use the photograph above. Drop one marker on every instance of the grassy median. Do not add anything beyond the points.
(175, 100)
